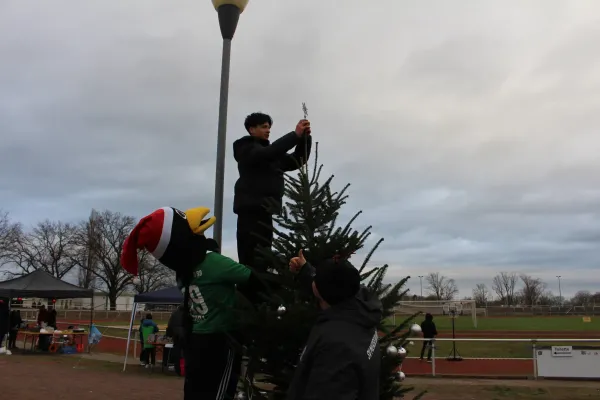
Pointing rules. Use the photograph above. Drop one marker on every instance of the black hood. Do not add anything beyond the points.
(364, 310)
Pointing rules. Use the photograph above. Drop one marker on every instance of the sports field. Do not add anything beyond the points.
(483, 357)
(509, 328)
(560, 328)
(550, 324)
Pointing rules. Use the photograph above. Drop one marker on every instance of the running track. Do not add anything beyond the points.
(520, 368)
(469, 367)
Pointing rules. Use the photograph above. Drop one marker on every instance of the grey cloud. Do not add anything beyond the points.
(468, 132)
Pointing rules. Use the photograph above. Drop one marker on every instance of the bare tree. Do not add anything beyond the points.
(49, 246)
(87, 239)
(481, 294)
(504, 284)
(533, 289)
(152, 275)
(440, 286)
(110, 231)
(10, 232)
(548, 299)
(582, 298)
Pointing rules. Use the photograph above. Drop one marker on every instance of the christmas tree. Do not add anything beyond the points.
(276, 331)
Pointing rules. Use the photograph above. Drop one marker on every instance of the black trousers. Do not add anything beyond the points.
(425, 344)
(212, 367)
(254, 230)
(149, 356)
(2, 338)
(12, 339)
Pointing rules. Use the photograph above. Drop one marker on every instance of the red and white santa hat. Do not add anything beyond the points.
(152, 233)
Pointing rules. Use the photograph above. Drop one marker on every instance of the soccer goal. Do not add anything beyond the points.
(451, 308)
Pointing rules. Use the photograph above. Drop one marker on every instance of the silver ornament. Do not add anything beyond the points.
(281, 310)
(415, 329)
(402, 352)
(400, 376)
(241, 396)
(391, 351)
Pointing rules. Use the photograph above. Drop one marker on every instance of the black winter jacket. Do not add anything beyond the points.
(428, 327)
(261, 166)
(176, 327)
(4, 319)
(341, 360)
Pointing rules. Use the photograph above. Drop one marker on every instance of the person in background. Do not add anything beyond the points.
(4, 321)
(429, 332)
(142, 353)
(176, 331)
(42, 315)
(147, 328)
(42, 318)
(15, 324)
(341, 359)
(51, 317)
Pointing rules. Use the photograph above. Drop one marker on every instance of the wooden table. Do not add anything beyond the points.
(35, 336)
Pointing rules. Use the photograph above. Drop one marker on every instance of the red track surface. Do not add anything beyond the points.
(483, 368)
(524, 334)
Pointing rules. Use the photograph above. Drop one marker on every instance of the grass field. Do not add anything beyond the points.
(555, 324)
(508, 349)
(465, 323)
(478, 349)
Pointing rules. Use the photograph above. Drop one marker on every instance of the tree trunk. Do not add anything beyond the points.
(112, 299)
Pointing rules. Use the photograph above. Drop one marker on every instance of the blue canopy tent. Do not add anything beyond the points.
(170, 295)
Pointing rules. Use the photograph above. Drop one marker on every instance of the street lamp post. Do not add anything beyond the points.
(229, 13)
(421, 279)
(559, 291)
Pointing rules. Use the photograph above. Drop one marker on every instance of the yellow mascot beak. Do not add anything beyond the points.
(195, 218)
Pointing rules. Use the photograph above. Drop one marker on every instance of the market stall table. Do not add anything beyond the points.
(34, 336)
(161, 343)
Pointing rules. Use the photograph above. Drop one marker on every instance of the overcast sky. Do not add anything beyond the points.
(468, 129)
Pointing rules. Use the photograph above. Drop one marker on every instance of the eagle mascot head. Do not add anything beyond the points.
(174, 237)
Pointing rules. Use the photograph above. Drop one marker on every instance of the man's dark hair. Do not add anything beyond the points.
(256, 119)
(148, 316)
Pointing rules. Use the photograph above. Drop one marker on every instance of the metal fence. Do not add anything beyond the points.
(102, 316)
(497, 366)
(482, 357)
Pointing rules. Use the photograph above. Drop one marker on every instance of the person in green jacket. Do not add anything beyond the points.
(147, 328)
(208, 281)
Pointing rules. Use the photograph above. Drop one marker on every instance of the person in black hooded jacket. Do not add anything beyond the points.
(261, 165)
(341, 359)
(429, 332)
(176, 331)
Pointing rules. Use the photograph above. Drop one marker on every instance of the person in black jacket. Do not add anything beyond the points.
(341, 359)
(176, 331)
(4, 320)
(429, 332)
(15, 324)
(261, 165)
